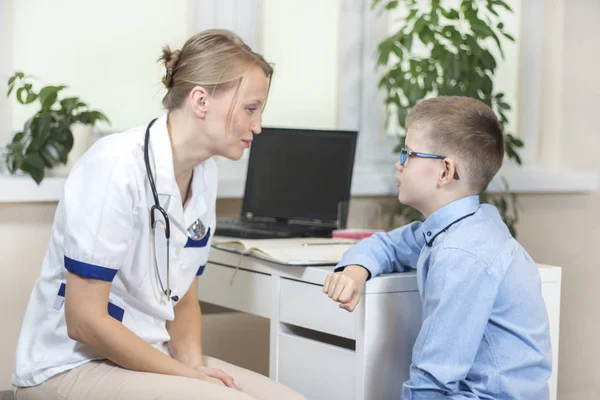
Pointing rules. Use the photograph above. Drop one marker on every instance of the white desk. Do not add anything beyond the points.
(323, 351)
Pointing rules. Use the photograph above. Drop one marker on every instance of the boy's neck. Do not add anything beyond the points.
(444, 201)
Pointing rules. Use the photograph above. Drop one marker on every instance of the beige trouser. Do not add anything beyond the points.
(103, 380)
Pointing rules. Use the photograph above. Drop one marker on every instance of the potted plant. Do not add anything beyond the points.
(47, 137)
(454, 59)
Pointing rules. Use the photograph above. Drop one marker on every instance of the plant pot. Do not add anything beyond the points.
(81, 143)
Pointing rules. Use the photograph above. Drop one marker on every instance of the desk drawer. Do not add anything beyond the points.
(251, 292)
(319, 371)
(305, 305)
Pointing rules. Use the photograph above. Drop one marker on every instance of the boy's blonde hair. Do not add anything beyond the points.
(466, 128)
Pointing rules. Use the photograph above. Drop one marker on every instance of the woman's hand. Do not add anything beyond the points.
(216, 376)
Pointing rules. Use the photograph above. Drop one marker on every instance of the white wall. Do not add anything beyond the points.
(301, 38)
(105, 51)
(5, 66)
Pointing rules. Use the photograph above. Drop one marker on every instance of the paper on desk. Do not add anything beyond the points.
(296, 251)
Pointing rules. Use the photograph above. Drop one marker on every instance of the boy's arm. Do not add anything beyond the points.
(388, 252)
(378, 254)
(458, 297)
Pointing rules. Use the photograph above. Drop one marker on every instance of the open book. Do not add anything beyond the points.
(296, 251)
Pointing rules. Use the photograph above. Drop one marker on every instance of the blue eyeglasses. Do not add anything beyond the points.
(404, 154)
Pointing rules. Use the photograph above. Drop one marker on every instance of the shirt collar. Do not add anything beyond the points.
(442, 219)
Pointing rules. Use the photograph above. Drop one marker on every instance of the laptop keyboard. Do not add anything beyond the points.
(265, 229)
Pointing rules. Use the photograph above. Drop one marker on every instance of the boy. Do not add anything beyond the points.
(484, 332)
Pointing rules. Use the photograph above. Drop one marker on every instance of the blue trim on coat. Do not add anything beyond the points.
(201, 270)
(116, 312)
(198, 243)
(90, 270)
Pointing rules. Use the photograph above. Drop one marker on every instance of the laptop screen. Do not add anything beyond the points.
(299, 174)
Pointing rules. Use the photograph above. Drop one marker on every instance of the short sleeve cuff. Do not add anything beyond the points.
(90, 270)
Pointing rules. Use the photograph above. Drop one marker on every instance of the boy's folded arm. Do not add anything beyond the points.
(458, 299)
(386, 252)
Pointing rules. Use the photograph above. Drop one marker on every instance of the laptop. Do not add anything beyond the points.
(297, 184)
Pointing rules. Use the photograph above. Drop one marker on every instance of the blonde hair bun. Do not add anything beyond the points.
(170, 59)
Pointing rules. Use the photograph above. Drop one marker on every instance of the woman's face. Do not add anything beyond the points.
(235, 116)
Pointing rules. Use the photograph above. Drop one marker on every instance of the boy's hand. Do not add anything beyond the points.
(346, 286)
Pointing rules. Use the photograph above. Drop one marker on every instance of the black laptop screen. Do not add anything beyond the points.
(299, 174)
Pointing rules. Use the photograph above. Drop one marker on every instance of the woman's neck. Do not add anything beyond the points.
(186, 145)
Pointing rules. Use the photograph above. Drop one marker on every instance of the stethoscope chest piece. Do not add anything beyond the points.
(197, 230)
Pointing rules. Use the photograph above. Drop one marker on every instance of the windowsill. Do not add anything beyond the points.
(381, 181)
(367, 181)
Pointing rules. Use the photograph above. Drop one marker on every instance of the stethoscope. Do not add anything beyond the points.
(196, 231)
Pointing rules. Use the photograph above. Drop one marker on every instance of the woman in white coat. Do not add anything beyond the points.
(114, 313)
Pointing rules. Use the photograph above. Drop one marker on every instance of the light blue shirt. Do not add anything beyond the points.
(485, 332)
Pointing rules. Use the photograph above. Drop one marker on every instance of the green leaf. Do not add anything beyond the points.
(490, 9)
(407, 41)
(503, 4)
(508, 36)
(20, 92)
(31, 97)
(60, 150)
(426, 35)
(68, 144)
(391, 5)
(434, 18)
(482, 31)
(419, 24)
(488, 60)
(401, 115)
(503, 105)
(397, 51)
(450, 14)
(18, 137)
(414, 95)
(41, 131)
(49, 95)
(49, 160)
(34, 165)
(411, 15)
(91, 117)
(71, 103)
(486, 85)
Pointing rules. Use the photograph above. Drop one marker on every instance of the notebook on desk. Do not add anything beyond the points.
(295, 251)
(297, 185)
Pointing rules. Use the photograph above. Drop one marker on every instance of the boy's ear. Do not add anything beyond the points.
(447, 173)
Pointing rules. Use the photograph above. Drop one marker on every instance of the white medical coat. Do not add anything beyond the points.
(101, 231)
